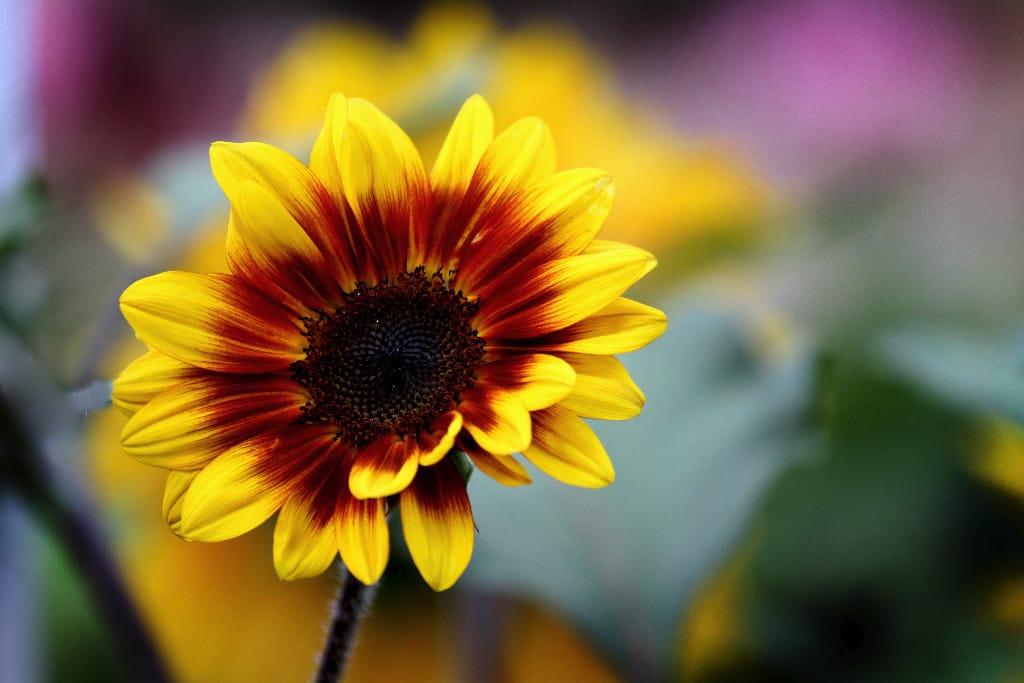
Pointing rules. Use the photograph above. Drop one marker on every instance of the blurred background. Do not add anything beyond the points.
(827, 483)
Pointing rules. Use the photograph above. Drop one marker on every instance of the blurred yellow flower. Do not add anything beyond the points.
(713, 630)
(999, 456)
(132, 215)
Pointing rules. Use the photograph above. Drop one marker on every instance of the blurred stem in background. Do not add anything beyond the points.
(34, 416)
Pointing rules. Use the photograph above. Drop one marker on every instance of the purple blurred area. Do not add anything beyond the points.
(813, 87)
(118, 79)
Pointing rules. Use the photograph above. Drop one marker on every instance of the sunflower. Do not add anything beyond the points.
(378, 327)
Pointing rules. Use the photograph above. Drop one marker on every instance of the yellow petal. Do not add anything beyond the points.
(304, 546)
(270, 249)
(538, 380)
(147, 377)
(383, 468)
(386, 187)
(287, 179)
(174, 495)
(439, 441)
(504, 469)
(565, 448)
(603, 389)
(553, 218)
(520, 155)
(610, 247)
(323, 160)
(228, 497)
(293, 187)
(438, 524)
(497, 420)
(185, 427)
(362, 536)
(623, 325)
(469, 136)
(213, 321)
(571, 207)
(563, 292)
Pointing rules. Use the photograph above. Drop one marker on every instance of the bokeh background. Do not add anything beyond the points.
(827, 483)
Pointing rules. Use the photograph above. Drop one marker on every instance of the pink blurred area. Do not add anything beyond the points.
(811, 88)
(117, 79)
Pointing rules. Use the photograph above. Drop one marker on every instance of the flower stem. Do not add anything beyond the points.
(354, 598)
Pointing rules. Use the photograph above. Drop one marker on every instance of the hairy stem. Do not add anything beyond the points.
(354, 598)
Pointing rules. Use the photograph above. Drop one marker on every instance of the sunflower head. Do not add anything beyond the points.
(376, 323)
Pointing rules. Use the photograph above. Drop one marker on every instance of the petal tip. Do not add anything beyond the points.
(366, 575)
(378, 474)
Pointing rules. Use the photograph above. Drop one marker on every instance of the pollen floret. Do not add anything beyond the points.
(390, 359)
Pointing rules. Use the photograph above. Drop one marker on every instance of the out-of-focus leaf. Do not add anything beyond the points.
(869, 561)
(982, 373)
(20, 213)
(721, 421)
(22, 284)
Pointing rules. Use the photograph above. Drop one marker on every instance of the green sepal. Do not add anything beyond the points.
(462, 463)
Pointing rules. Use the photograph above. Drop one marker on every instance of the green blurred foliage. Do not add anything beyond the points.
(21, 212)
(871, 560)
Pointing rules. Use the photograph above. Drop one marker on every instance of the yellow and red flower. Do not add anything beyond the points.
(376, 322)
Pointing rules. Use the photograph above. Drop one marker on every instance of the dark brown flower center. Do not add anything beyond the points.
(390, 359)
